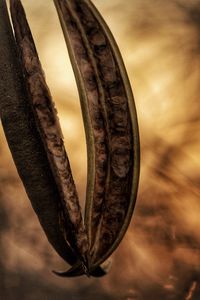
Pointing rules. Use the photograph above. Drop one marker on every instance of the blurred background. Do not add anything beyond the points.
(159, 258)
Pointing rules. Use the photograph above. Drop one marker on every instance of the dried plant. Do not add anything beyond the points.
(35, 139)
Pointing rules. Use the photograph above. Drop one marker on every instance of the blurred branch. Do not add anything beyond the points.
(191, 291)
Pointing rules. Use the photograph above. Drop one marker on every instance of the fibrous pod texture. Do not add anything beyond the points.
(111, 133)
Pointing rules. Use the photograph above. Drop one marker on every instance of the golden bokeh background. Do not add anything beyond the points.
(159, 258)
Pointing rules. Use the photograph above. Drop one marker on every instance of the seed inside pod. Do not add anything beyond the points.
(111, 133)
(105, 95)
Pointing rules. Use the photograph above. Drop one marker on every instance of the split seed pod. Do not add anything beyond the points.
(111, 132)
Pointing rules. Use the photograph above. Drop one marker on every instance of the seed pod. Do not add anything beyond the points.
(25, 143)
(50, 132)
(35, 139)
(110, 124)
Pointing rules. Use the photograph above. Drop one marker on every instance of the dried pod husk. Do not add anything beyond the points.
(50, 133)
(32, 129)
(34, 136)
(110, 123)
(25, 143)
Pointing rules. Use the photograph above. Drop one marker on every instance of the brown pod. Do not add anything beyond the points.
(50, 133)
(110, 122)
(25, 143)
(63, 228)
(35, 139)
